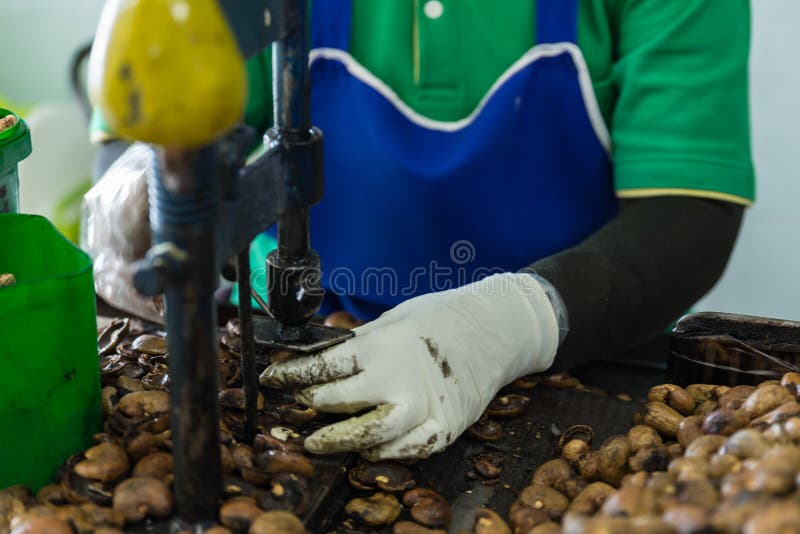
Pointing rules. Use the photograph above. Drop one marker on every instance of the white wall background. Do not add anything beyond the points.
(763, 276)
(37, 41)
(37, 38)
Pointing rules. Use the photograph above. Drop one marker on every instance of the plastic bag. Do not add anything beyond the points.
(115, 231)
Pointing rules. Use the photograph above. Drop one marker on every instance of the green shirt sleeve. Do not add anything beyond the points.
(257, 113)
(681, 120)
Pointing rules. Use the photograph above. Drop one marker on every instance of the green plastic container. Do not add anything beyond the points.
(15, 145)
(49, 372)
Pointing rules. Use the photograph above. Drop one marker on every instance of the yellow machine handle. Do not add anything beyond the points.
(167, 72)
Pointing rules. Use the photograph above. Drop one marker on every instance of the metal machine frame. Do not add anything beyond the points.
(206, 205)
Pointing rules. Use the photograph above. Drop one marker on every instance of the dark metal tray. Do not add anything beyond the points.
(727, 349)
(528, 441)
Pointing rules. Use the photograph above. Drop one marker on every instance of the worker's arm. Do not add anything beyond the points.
(640, 272)
(431, 365)
(681, 137)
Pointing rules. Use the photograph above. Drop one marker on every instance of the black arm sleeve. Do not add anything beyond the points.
(640, 272)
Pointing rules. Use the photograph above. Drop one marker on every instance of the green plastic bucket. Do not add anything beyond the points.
(49, 371)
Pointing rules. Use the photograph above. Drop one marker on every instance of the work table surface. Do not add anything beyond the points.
(527, 442)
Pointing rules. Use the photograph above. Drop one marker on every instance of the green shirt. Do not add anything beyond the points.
(670, 77)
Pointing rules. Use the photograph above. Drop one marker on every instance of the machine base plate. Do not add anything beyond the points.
(270, 334)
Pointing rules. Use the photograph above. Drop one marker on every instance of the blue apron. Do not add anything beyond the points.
(413, 205)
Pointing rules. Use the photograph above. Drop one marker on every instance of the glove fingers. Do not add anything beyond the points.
(422, 441)
(348, 395)
(338, 362)
(384, 423)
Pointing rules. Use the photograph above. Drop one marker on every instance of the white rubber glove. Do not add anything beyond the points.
(430, 366)
(115, 231)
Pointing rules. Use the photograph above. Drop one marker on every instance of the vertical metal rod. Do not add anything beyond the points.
(292, 116)
(292, 120)
(194, 410)
(249, 376)
(293, 233)
(184, 199)
(290, 83)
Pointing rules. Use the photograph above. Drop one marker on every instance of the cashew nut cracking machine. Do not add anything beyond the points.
(206, 205)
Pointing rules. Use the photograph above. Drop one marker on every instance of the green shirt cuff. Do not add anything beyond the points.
(730, 183)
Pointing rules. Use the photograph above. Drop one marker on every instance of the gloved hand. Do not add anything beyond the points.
(115, 231)
(430, 366)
